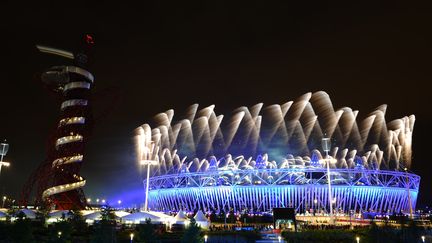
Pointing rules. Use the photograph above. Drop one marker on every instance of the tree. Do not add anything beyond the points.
(107, 214)
(5, 229)
(146, 231)
(79, 226)
(61, 232)
(192, 233)
(105, 230)
(21, 230)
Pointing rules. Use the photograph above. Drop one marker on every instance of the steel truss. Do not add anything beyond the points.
(305, 189)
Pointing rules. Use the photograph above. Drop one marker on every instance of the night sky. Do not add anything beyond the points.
(161, 55)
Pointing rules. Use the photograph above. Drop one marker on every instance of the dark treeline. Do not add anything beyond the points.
(75, 229)
(407, 232)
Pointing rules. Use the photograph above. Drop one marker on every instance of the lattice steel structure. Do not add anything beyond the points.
(266, 157)
(57, 180)
(302, 188)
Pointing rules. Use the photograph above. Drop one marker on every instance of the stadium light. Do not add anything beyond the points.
(326, 145)
(147, 159)
(3, 151)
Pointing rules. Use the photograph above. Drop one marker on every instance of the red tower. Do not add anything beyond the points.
(57, 180)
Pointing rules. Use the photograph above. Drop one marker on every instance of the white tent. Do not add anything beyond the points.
(3, 215)
(28, 213)
(59, 213)
(201, 220)
(181, 218)
(91, 217)
(94, 216)
(55, 216)
(139, 217)
(120, 214)
(86, 212)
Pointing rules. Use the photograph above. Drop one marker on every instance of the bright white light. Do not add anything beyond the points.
(119, 201)
(6, 164)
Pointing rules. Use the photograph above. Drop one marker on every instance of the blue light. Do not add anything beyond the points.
(315, 160)
(260, 190)
(260, 162)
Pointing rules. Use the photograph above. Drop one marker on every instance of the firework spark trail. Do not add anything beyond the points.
(285, 135)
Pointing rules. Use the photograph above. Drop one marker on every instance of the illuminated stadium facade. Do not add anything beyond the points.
(264, 157)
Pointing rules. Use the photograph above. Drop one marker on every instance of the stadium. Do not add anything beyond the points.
(264, 157)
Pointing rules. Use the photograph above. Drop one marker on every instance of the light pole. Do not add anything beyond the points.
(147, 158)
(423, 238)
(326, 145)
(206, 237)
(358, 239)
(3, 151)
(409, 194)
(4, 199)
(131, 237)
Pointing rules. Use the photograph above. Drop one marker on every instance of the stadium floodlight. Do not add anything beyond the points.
(3, 151)
(147, 158)
(326, 146)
